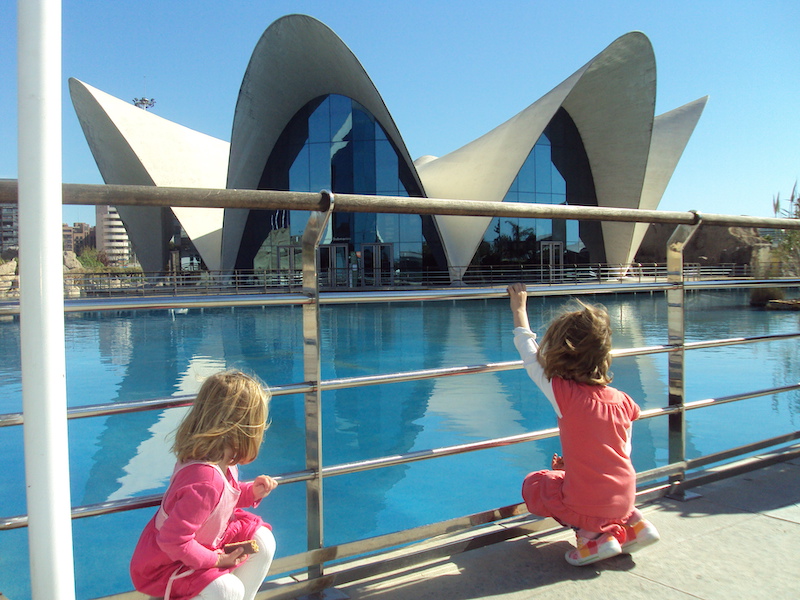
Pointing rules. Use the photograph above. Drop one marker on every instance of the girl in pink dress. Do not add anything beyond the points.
(180, 553)
(593, 487)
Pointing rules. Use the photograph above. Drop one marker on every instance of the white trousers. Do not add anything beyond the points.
(243, 582)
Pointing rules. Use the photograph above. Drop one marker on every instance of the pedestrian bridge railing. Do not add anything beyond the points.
(322, 566)
(135, 282)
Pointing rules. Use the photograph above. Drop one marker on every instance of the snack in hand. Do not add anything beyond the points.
(250, 547)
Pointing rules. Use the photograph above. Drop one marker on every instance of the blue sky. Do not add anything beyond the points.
(451, 71)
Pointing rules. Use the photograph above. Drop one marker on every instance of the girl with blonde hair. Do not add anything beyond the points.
(181, 553)
(591, 488)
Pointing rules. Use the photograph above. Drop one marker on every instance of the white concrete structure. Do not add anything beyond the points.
(611, 100)
(135, 147)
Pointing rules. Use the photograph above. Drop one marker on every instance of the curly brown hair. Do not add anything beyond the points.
(230, 412)
(577, 346)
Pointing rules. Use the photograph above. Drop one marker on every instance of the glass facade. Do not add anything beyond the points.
(555, 172)
(335, 143)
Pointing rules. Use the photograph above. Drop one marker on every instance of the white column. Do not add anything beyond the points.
(44, 397)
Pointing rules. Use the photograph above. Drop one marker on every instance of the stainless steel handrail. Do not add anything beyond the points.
(100, 410)
(140, 195)
(409, 457)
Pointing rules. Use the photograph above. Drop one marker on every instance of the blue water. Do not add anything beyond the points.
(128, 356)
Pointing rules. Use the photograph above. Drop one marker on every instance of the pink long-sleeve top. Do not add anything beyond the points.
(201, 511)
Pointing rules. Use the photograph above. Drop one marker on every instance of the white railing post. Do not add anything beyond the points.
(44, 396)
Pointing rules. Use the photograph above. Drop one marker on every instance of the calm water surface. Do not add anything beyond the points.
(129, 356)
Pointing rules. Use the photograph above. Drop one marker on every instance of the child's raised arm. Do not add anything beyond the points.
(518, 293)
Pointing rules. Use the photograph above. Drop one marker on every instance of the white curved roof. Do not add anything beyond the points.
(611, 100)
(297, 59)
(134, 147)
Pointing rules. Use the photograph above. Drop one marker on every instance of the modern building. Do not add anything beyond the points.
(308, 117)
(67, 238)
(112, 237)
(9, 228)
(75, 236)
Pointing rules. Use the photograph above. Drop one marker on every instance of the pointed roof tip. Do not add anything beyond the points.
(634, 43)
(699, 105)
(292, 16)
(297, 18)
(633, 36)
(75, 84)
(78, 86)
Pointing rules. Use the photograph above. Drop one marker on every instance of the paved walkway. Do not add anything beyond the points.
(739, 539)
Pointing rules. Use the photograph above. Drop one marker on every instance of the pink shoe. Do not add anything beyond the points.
(638, 535)
(591, 551)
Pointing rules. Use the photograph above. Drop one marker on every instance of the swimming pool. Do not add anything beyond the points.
(130, 355)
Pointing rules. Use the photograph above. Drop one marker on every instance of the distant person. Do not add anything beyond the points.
(181, 554)
(593, 487)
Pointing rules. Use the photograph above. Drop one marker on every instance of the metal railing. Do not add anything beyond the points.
(675, 477)
(131, 282)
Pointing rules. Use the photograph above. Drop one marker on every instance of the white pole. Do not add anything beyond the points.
(44, 396)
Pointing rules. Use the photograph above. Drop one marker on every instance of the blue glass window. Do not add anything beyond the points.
(335, 143)
(555, 172)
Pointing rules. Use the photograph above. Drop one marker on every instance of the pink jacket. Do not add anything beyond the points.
(200, 512)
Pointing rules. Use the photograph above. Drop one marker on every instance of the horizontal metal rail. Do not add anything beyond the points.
(136, 195)
(107, 409)
(449, 537)
(389, 461)
(382, 296)
(191, 282)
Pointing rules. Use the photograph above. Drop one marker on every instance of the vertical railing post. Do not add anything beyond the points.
(311, 372)
(676, 319)
(44, 394)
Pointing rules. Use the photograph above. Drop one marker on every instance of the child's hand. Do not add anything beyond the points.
(233, 559)
(518, 293)
(263, 485)
(557, 464)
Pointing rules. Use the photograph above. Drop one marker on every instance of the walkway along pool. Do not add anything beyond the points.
(127, 356)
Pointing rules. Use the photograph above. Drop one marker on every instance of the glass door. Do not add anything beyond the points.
(378, 262)
(552, 260)
(333, 269)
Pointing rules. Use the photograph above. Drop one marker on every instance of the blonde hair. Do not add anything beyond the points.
(577, 346)
(229, 413)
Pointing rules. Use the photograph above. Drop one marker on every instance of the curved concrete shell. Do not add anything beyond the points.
(611, 101)
(296, 60)
(671, 132)
(134, 147)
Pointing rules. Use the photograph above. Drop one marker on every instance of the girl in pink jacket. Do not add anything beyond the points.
(180, 554)
(593, 487)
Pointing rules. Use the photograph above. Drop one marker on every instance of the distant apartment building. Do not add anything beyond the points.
(68, 238)
(112, 237)
(9, 222)
(83, 235)
(77, 236)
